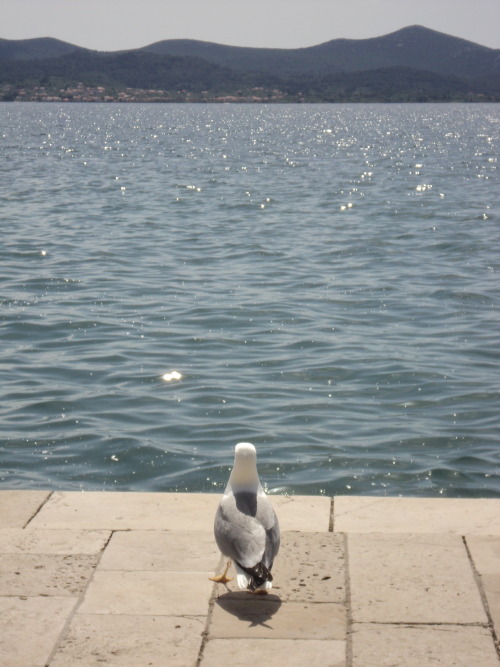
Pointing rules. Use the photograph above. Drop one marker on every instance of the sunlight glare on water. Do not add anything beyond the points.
(320, 280)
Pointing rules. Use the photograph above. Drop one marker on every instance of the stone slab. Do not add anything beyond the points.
(131, 641)
(148, 593)
(38, 574)
(461, 516)
(309, 568)
(274, 653)
(485, 553)
(161, 550)
(242, 615)
(168, 511)
(491, 587)
(30, 628)
(128, 511)
(412, 579)
(419, 646)
(304, 513)
(18, 507)
(55, 542)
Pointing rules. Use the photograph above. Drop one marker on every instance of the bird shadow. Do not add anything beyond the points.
(254, 609)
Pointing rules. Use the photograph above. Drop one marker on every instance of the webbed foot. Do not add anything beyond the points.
(222, 578)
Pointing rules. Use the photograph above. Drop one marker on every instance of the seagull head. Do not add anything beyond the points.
(244, 473)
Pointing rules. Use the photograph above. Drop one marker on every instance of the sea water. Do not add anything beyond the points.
(320, 280)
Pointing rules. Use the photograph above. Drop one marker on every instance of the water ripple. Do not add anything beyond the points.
(322, 278)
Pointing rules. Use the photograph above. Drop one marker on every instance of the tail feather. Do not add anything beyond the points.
(258, 574)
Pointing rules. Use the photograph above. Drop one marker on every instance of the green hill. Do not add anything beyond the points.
(39, 48)
(413, 64)
(415, 47)
(134, 69)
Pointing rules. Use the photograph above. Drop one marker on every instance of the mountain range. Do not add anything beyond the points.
(412, 64)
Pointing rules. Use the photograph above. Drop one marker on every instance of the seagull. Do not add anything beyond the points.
(246, 528)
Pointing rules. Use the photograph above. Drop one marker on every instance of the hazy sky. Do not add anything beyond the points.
(110, 25)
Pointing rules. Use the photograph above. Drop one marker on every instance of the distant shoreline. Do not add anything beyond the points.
(414, 64)
(100, 95)
(251, 102)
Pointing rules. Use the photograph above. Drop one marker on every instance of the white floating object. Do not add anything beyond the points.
(173, 375)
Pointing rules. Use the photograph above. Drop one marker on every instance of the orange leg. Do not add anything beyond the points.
(222, 578)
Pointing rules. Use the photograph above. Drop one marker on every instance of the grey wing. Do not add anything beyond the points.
(239, 536)
(268, 519)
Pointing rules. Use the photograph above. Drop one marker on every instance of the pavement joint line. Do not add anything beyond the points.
(426, 624)
(484, 599)
(206, 632)
(78, 603)
(38, 509)
(331, 522)
(105, 546)
(348, 607)
(205, 635)
(64, 629)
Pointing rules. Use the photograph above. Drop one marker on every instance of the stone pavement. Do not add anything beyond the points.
(93, 579)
